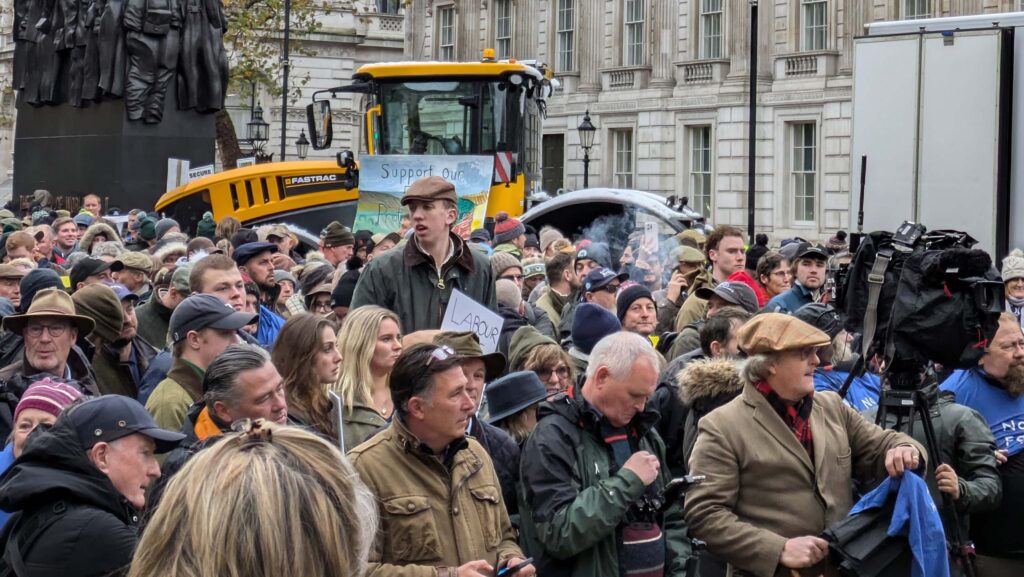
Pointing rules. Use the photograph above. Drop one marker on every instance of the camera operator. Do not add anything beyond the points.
(593, 474)
(994, 389)
(779, 459)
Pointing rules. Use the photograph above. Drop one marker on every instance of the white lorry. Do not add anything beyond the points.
(938, 110)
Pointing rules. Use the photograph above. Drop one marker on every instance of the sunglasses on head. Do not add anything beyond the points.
(440, 354)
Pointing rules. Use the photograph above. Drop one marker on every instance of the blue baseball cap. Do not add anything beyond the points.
(111, 417)
(600, 278)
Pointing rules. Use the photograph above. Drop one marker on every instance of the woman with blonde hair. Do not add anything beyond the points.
(307, 357)
(265, 501)
(369, 343)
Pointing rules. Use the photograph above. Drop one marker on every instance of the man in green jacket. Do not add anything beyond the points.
(441, 507)
(416, 282)
(593, 474)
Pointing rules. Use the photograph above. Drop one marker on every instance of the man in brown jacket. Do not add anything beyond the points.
(442, 513)
(779, 458)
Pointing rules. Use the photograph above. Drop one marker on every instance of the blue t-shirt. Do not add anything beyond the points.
(862, 394)
(1003, 413)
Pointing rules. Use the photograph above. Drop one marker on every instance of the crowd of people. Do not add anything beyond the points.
(221, 401)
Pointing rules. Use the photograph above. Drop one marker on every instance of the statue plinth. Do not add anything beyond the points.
(96, 149)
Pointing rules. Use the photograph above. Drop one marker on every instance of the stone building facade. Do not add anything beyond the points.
(666, 85)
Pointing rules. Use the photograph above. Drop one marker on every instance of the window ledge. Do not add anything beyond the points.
(810, 64)
(704, 71)
(625, 77)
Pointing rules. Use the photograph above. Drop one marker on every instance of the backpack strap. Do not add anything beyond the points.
(876, 278)
(35, 527)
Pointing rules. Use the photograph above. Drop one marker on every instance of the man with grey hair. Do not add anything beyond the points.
(593, 476)
(240, 383)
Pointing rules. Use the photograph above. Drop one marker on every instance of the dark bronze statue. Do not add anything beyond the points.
(82, 51)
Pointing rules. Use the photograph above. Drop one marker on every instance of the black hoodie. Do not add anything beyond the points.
(69, 520)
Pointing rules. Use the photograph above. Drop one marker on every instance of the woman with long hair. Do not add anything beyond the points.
(369, 343)
(266, 501)
(306, 355)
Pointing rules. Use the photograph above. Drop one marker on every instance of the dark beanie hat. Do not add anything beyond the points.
(35, 281)
(590, 324)
(341, 296)
(630, 295)
(147, 228)
(100, 303)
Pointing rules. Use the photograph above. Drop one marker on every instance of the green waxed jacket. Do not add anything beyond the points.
(573, 498)
(407, 282)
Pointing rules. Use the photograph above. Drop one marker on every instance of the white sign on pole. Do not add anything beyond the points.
(465, 314)
(247, 161)
(177, 172)
(199, 172)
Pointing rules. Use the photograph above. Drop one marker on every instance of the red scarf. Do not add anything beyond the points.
(796, 416)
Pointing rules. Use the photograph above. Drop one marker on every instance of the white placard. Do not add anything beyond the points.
(199, 172)
(247, 161)
(465, 314)
(177, 173)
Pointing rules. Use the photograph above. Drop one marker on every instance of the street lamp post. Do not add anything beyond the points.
(257, 131)
(586, 130)
(286, 63)
(302, 145)
(752, 128)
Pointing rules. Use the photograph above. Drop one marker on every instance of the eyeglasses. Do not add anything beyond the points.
(512, 277)
(781, 273)
(545, 374)
(36, 330)
(612, 288)
(322, 306)
(806, 352)
(440, 354)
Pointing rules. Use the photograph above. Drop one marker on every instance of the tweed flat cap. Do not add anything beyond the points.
(775, 332)
(430, 188)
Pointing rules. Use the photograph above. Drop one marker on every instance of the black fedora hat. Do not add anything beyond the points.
(513, 393)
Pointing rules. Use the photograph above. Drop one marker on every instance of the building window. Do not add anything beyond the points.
(634, 33)
(388, 6)
(622, 151)
(710, 28)
(446, 33)
(565, 25)
(503, 29)
(700, 169)
(814, 27)
(803, 171)
(916, 9)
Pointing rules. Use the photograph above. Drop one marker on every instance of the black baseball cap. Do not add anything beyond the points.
(733, 292)
(111, 417)
(86, 268)
(822, 317)
(808, 250)
(601, 277)
(202, 311)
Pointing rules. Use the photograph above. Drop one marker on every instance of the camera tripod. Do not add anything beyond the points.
(901, 396)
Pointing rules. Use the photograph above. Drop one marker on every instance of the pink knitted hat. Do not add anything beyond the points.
(47, 395)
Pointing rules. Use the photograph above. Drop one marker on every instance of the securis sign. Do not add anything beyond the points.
(306, 184)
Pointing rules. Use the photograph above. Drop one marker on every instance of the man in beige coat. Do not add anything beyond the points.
(779, 459)
(442, 513)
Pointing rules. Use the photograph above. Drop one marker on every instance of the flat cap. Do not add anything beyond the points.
(692, 234)
(430, 188)
(136, 261)
(687, 254)
(336, 234)
(248, 251)
(775, 332)
(8, 271)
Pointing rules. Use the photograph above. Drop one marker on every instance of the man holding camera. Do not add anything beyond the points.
(593, 481)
